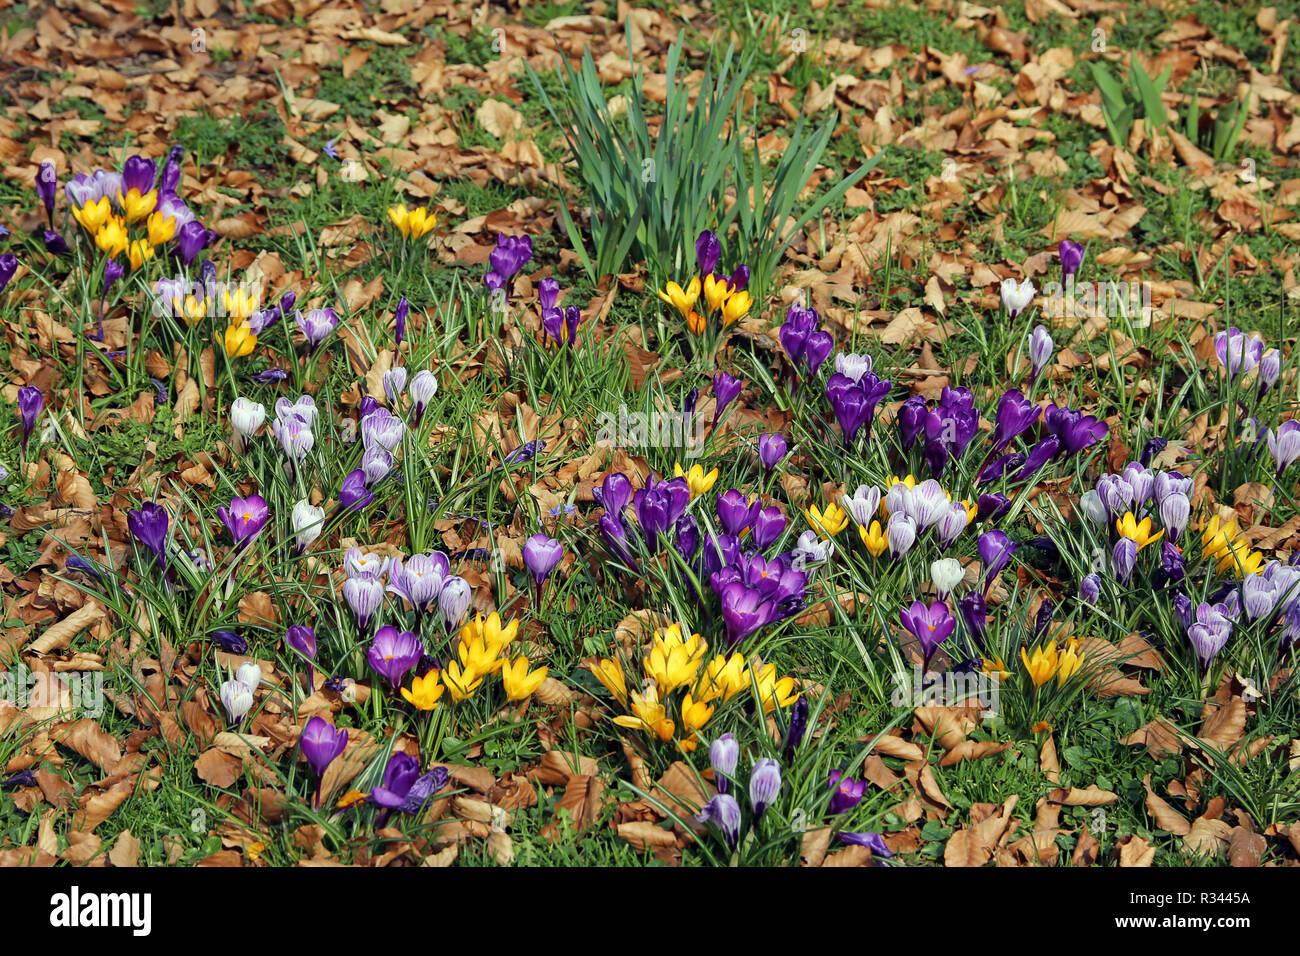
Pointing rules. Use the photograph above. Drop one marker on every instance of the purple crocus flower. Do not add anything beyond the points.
(353, 493)
(1237, 352)
(614, 493)
(30, 403)
(688, 537)
(1270, 370)
(1040, 351)
(393, 653)
(744, 611)
(191, 239)
(995, 550)
(911, 418)
(764, 784)
(930, 625)
(992, 507)
(1207, 641)
(872, 841)
(724, 754)
(8, 266)
(736, 512)
(47, 182)
(321, 743)
(170, 178)
(1123, 557)
(509, 256)
(768, 525)
(232, 642)
(658, 506)
(541, 554)
(1042, 452)
(399, 776)
(1075, 430)
(1090, 590)
(723, 811)
(138, 173)
(771, 449)
(798, 727)
(245, 518)
(316, 325)
(847, 793)
(1071, 254)
(55, 244)
(1283, 444)
(739, 280)
(974, 614)
(725, 389)
(149, 525)
(799, 324)
(399, 322)
(707, 250)
(302, 639)
(615, 535)
(562, 324)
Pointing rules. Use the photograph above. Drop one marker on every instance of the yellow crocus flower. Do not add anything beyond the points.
(425, 691)
(829, 522)
(1042, 665)
(995, 668)
(1070, 662)
(774, 693)
(650, 716)
(112, 238)
(682, 299)
(518, 683)
(736, 307)
(1216, 537)
(491, 631)
(240, 341)
(723, 677)
(671, 666)
(460, 684)
(715, 291)
(698, 481)
(94, 214)
(695, 714)
(161, 229)
(1129, 527)
(413, 223)
(610, 673)
(137, 205)
(874, 538)
(477, 654)
(138, 252)
(240, 304)
(1239, 559)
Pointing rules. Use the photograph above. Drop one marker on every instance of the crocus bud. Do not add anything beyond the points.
(901, 534)
(237, 699)
(364, 595)
(399, 322)
(764, 784)
(1040, 350)
(454, 601)
(1071, 254)
(394, 383)
(47, 182)
(974, 614)
(1123, 557)
(1090, 590)
(771, 449)
(1043, 618)
(423, 387)
(723, 812)
(798, 726)
(302, 639)
(246, 417)
(30, 403)
(1175, 510)
(724, 754)
(946, 574)
(1016, 296)
(250, 675)
(1090, 504)
(308, 522)
(1270, 370)
(952, 522)
(541, 554)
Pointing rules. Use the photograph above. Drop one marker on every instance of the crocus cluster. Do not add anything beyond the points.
(108, 205)
(412, 223)
(807, 346)
(723, 810)
(483, 651)
(909, 509)
(854, 391)
(946, 430)
(423, 581)
(726, 297)
(510, 255)
(293, 427)
(678, 663)
(560, 324)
